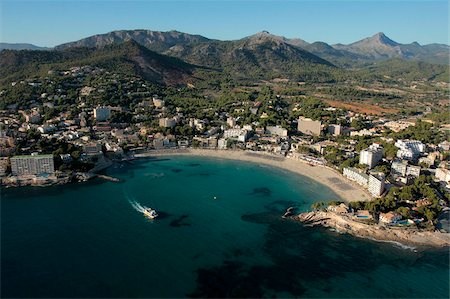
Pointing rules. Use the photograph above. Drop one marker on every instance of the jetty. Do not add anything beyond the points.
(289, 212)
(108, 178)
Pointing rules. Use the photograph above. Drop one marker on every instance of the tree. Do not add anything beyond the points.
(404, 211)
(320, 205)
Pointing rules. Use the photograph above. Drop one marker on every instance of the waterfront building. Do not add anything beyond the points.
(183, 143)
(240, 134)
(207, 142)
(371, 155)
(158, 143)
(339, 209)
(390, 218)
(409, 149)
(222, 144)
(92, 148)
(32, 165)
(3, 166)
(363, 214)
(276, 130)
(308, 126)
(376, 184)
(102, 113)
(357, 176)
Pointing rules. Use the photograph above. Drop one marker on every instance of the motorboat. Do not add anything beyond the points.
(150, 213)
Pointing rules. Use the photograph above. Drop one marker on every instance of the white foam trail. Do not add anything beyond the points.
(137, 206)
(395, 243)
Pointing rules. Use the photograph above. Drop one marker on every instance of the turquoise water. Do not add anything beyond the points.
(219, 234)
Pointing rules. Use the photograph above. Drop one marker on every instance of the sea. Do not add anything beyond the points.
(219, 234)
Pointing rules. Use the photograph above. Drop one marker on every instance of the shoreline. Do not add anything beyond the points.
(344, 224)
(321, 174)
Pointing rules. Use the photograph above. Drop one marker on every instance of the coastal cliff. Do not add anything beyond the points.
(346, 224)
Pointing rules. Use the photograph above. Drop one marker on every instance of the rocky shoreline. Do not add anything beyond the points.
(345, 224)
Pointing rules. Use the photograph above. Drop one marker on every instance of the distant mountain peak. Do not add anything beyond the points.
(383, 39)
(264, 34)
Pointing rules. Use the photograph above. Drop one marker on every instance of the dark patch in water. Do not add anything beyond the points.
(193, 164)
(179, 221)
(198, 255)
(159, 159)
(176, 170)
(163, 215)
(228, 280)
(300, 256)
(262, 191)
(202, 174)
(238, 252)
(280, 206)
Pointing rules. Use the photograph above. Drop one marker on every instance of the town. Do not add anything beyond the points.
(70, 124)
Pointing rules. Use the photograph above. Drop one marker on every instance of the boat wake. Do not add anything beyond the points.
(137, 206)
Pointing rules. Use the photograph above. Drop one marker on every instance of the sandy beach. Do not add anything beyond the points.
(345, 189)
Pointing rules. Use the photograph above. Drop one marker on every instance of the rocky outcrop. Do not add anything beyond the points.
(345, 224)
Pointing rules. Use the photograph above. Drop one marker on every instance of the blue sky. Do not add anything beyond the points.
(52, 22)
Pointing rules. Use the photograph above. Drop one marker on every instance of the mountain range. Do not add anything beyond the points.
(375, 48)
(174, 57)
(9, 46)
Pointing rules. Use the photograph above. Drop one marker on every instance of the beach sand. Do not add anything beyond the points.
(345, 189)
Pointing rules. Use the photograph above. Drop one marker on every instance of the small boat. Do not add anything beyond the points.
(150, 213)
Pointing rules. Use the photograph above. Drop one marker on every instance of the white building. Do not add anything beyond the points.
(390, 218)
(158, 103)
(231, 122)
(32, 165)
(398, 167)
(240, 134)
(222, 144)
(371, 155)
(102, 113)
(412, 170)
(276, 130)
(409, 149)
(44, 129)
(376, 184)
(357, 176)
(443, 175)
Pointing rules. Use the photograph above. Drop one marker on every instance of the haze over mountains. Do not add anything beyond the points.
(377, 47)
(177, 58)
(19, 46)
